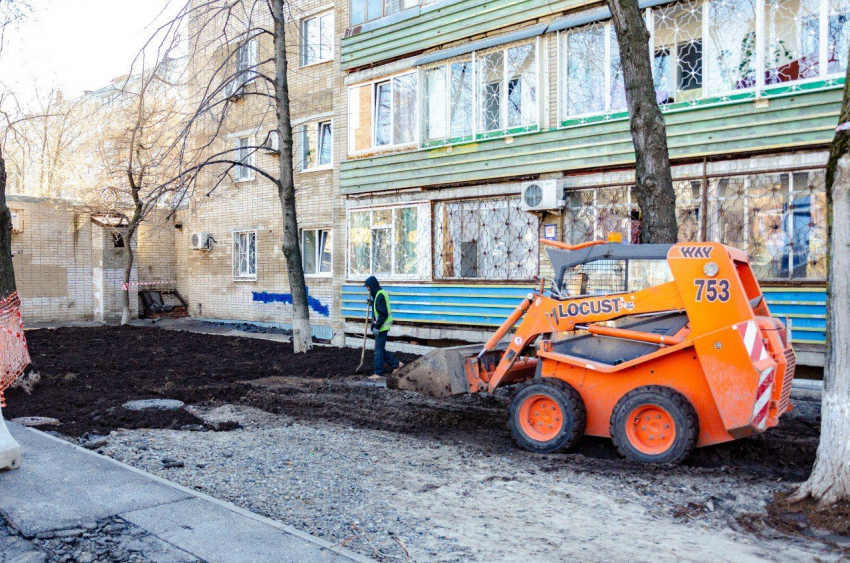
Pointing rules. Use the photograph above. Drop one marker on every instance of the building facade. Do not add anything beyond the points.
(455, 106)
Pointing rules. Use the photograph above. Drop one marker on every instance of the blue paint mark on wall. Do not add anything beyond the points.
(286, 298)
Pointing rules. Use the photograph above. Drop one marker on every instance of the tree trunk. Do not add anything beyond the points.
(302, 338)
(830, 478)
(128, 271)
(7, 270)
(653, 179)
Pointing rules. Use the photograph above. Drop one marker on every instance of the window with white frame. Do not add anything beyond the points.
(389, 242)
(246, 62)
(316, 142)
(316, 252)
(367, 10)
(317, 39)
(245, 255)
(709, 49)
(245, 155)
(501, 96)
(382, 114)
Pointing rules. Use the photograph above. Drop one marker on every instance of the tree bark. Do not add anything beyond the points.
(830, 478)
(302, 338)
(653, 179)
(128, 267)
(7, 270)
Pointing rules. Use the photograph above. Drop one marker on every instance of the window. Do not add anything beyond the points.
(392, 242)
(485, 239)
(316, 252)
(316, 141)
(317, 37)
(592, 63)
(382, 114)
(507, 86)
(778, 219)
(245, 155)
(246, 62)
(367, 10)
(244, 255)
(504, 98)
(708, 49)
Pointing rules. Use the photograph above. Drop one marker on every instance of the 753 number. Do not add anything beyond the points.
(712, 290)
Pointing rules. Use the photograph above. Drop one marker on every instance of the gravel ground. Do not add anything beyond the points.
(398, 497)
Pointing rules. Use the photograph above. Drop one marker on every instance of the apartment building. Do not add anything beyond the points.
(475, 128)
(230, 265)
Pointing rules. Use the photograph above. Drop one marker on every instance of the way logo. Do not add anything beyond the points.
(593, 307)
(696, 251)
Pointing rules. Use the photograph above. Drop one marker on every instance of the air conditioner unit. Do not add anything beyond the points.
(17, 222)
(272, 142)
(234, 90)
(542, 195)
(201, 241)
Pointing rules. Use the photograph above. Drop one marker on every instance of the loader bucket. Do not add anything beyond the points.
(439, 373)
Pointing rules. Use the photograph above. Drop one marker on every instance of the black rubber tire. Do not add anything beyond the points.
(684, 417)
(572, 407)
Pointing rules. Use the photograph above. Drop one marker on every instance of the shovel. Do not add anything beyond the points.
(365, 332)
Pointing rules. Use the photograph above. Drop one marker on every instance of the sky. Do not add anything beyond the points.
(78, 45)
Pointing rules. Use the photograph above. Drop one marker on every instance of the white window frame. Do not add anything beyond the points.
(406, 5)
(305, 40)
(352, 119)
(328, 246)
(758, 89)
(251, 66)
(477, 129)
(237, 275)
(421, 207)
(243, 173)
(303, 139)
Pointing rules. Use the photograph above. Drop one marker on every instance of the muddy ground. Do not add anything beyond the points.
(88, 373)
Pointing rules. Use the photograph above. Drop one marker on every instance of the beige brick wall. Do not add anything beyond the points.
(67, 268)
(205, 279)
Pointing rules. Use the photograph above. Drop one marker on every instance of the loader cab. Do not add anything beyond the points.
(608, 269)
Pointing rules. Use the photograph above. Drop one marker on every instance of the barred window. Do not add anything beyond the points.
(708, 49)
(245, 255)
(485, 239)
(778, 219)
(389, 242)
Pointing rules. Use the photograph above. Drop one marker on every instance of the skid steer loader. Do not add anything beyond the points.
(661, 347)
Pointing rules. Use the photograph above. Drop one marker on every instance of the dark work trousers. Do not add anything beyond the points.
(382, 356)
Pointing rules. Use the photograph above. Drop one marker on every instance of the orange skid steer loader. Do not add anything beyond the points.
(661, 347)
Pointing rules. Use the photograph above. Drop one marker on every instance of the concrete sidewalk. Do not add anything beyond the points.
(63, 487)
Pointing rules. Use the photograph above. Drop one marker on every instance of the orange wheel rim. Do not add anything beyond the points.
(651, 429)
(541, 418)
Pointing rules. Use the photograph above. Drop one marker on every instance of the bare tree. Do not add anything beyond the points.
(653, 179)
(830, 478)
(239, 75)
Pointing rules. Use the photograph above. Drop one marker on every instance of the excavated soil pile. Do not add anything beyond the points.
(88, 373)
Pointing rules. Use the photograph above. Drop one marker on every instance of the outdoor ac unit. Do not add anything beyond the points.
(272, 142)
(542, 195)
(17, 222)
(233, 90)
(201, 241)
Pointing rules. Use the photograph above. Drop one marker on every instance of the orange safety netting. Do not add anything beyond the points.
(14, 354)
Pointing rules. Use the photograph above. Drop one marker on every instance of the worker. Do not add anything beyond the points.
(382, 320)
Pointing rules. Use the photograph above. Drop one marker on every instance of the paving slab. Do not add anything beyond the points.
(214, 533)
(60, 486)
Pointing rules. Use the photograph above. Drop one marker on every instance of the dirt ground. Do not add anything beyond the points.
(88, 373)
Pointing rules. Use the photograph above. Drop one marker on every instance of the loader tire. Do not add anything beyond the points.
(547, 415)
(654, 425)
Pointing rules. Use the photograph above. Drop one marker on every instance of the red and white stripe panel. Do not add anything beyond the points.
(757, 351)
